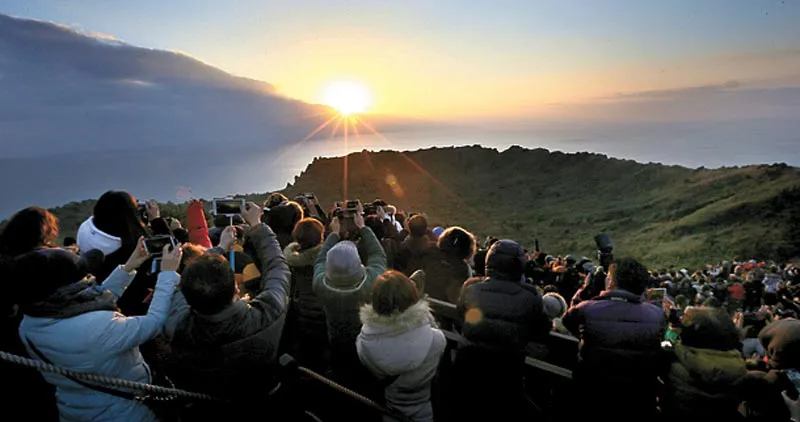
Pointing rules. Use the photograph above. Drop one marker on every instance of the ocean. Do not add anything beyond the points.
(173, 174)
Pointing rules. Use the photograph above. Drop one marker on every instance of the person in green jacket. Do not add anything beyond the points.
(343, 285)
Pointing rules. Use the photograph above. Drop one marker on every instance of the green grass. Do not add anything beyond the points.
(663, 215)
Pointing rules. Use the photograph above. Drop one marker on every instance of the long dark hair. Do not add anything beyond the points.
(29, 229)
(116, 213)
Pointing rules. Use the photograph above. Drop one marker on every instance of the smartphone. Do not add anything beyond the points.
(656, 295)
(154, 246)
(228, 206)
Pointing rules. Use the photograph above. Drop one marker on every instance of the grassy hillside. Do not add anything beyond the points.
(662, 214)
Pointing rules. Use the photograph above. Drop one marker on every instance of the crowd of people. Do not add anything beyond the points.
(348, 294)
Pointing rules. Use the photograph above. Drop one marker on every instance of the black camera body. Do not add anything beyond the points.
(346, 209)
(372, 207)
(346, 212)
(141, 208)
(605, 250)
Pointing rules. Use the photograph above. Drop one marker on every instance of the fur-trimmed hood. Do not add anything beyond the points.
(296, 258)
(397, 343)
(416, 316)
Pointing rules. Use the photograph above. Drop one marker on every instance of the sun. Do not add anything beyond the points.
(347, 97)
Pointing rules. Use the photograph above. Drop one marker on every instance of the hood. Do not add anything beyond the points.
(296, 258)
(90, 237)
(711, 367)
(397, 343)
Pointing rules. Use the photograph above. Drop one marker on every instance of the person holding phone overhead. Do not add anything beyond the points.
(73, 323)
(208, 320)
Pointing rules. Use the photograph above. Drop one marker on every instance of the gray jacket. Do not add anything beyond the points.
(404, 350)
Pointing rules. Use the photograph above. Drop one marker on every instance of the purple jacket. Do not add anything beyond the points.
(619, 335)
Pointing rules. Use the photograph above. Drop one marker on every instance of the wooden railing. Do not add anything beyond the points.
(557, 356)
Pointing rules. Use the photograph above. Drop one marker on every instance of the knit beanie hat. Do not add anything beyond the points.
(505, 260)
(554, 305)
(343, 266)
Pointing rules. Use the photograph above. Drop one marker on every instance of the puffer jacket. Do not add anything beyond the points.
(701, 384)
(101, 342)
(342, 303)
(502, 314)
(617, 331)
(305, 303)
(619, 350)
(403, 350)
(233, 353)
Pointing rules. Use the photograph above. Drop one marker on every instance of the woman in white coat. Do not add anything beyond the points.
(400, 344)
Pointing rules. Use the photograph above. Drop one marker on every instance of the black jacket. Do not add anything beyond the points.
(502, 314)
(233, 353)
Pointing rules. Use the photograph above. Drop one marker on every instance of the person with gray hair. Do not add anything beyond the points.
(343, 285)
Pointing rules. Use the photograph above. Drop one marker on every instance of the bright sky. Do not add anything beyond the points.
(458, 58)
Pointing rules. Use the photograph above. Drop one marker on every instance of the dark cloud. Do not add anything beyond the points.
(65, 91)
(730, 100)
(692, 91)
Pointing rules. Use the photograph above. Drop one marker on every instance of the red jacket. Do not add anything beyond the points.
(196, 225)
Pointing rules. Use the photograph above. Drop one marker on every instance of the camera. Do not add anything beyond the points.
(605, 250)
(141, 208)
(310, 205)
(346, 209)
(346, 212)
(227, 206)
(154, 246)
(372, 207)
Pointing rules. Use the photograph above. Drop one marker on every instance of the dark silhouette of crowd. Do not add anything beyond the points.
(422, 320)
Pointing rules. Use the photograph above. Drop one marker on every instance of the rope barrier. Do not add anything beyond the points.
(108, 381)
(166, 391)
(385, 410)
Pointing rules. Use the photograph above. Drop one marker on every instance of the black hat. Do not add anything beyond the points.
(505, 260)
(47, 270)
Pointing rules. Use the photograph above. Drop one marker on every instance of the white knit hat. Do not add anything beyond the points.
(554, 305)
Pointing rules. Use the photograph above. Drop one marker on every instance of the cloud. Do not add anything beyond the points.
(692, 91)
(64, 90)
(724, 101)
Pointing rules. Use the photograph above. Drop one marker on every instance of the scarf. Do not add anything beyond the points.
(72, 300)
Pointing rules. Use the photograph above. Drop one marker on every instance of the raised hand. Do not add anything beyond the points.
(171, 259)
(228, 238)
(137, 258)
(359, 217)
(153, 211)
(252, 213)
(335, 225)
